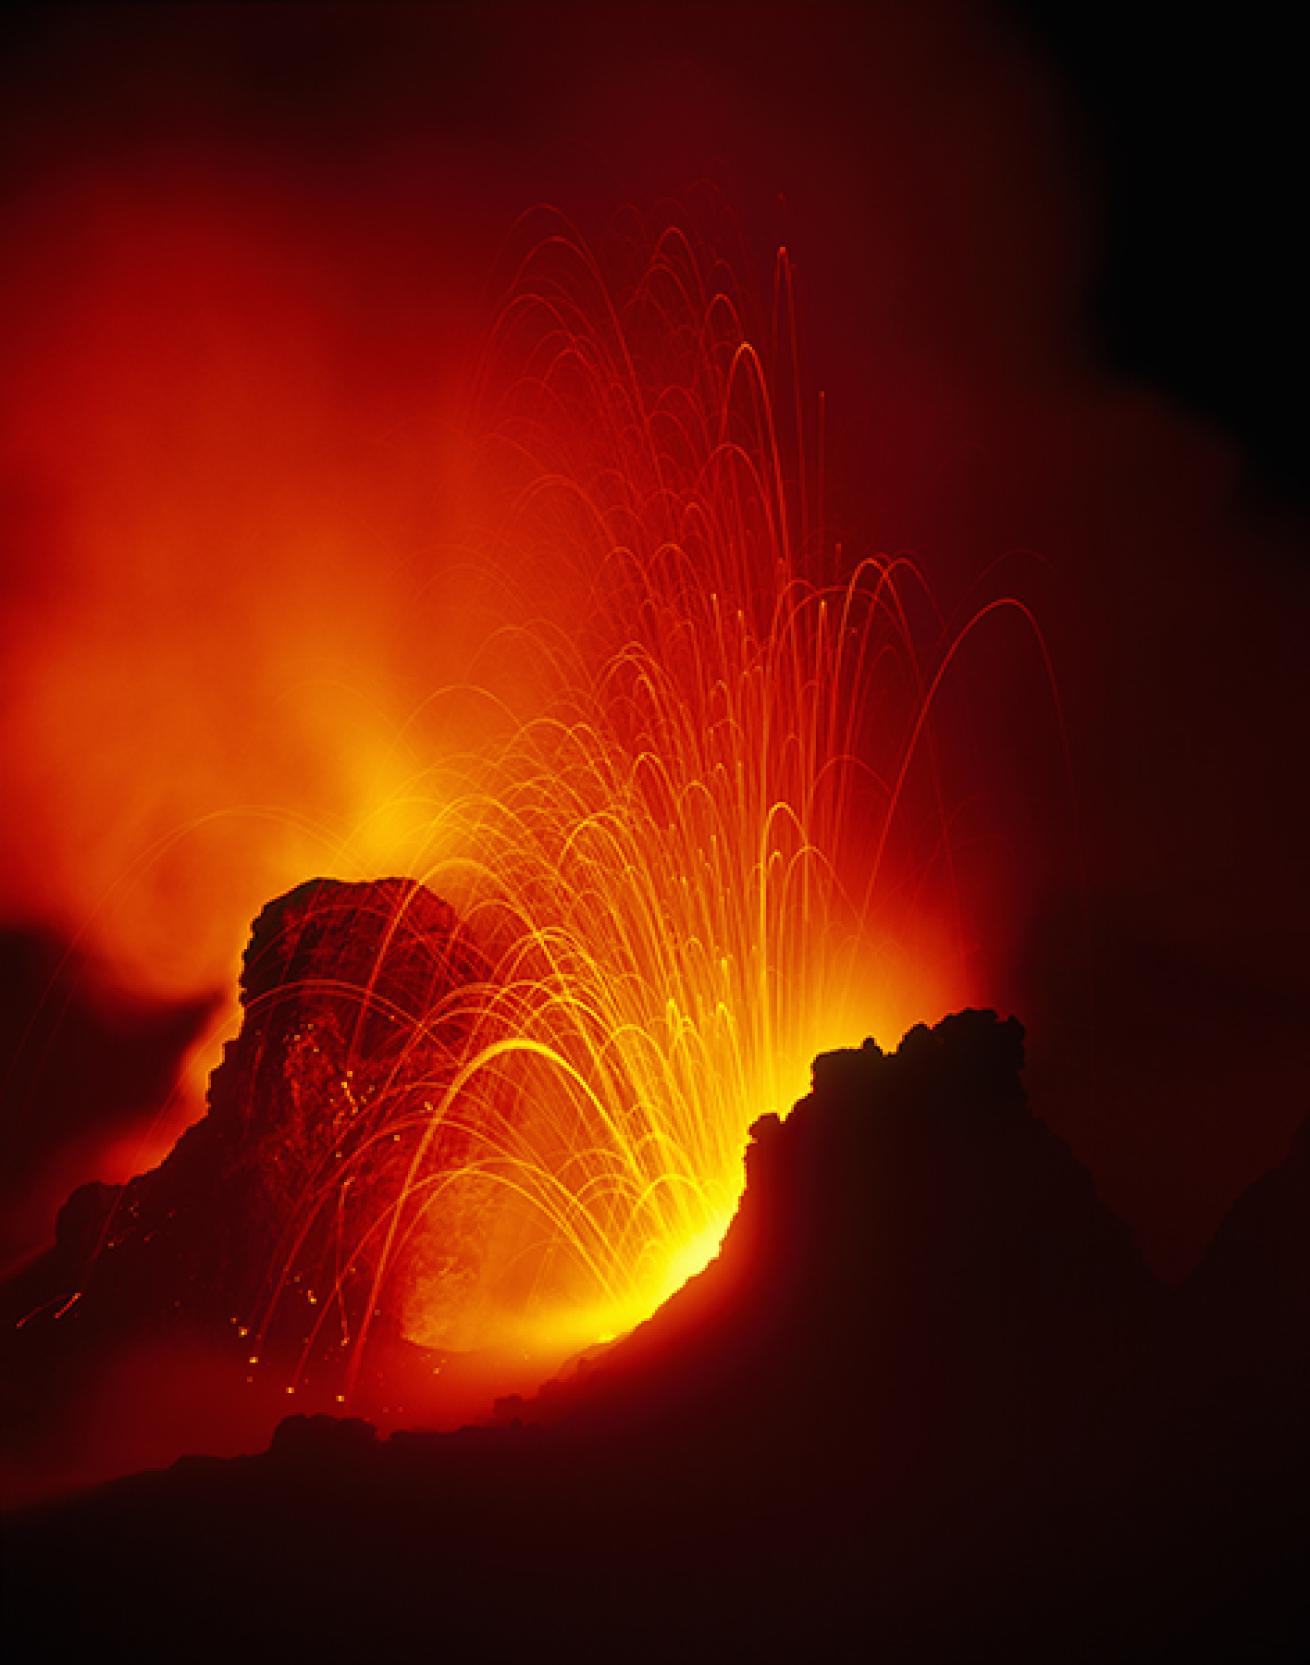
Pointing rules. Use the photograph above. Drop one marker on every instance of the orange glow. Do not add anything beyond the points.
(211, 668)
(676, 862)
(620, 701)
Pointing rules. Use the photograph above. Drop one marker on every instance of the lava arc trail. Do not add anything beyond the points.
(679, 869)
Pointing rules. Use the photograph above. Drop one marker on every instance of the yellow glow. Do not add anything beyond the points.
(674, 865)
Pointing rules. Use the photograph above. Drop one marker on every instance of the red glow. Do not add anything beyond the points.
(664, 747)
(674, 842)
(336, 569)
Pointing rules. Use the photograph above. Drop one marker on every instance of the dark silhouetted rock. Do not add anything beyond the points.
(914, 1249)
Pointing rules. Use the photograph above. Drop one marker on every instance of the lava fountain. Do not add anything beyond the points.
(680, 869)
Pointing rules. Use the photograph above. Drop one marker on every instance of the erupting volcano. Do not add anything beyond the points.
(652, 900)
(499, 1109)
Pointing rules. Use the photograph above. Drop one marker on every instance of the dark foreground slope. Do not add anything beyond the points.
(924, 1407)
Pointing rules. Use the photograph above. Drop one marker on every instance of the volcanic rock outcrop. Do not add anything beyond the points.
(915, 1249)
(350, 1010)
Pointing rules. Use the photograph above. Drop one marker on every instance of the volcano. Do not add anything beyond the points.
(774, 523)
(926, 1400)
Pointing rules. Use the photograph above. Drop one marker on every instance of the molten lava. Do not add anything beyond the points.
(694, 831)
(672, 866)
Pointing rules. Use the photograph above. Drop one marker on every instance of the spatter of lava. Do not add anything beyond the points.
(700, 845)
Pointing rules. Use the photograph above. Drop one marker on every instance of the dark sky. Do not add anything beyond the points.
(1048, 281)
(1196, 133)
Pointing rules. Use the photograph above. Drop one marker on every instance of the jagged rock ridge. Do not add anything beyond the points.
(350, 1014)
